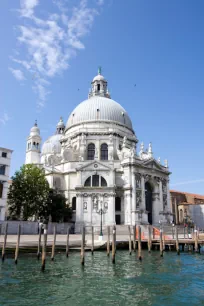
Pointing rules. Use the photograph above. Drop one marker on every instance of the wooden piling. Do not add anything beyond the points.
(134, 238)
(39, 242)
(108, 241)
(163, 239)
(113, 244)
(67, 244)
(82, 245)
(161, 243)
(196, 240)
(4, 243)
(92, 240)
(53, 244)
(177, 240)
(17, 244)
(149, 238)
(139, 243)
(130, 240)
(44, 249)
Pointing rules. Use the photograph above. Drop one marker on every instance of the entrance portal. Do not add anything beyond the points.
(148, 201)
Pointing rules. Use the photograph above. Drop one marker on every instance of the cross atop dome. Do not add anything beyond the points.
(99, 86)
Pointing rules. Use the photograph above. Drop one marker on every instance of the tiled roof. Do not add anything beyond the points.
(190, 197)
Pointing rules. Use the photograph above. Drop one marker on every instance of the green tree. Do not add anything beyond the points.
(28, 193)
(58, 208)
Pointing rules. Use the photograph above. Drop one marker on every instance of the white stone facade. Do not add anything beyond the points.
(94, 161)
(5, 161)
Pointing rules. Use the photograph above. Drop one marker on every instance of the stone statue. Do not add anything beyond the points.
(124, 141)
(166, 163)
(111, 138)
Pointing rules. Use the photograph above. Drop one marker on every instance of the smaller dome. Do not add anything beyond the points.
(61, 123)
(99, 77)
(52, 145)
(35, 131)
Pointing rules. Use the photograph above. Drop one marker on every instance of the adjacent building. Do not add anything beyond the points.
(94, 161)
(5, 161)
(187, 208)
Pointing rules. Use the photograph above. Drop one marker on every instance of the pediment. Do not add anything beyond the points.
(94, 166)
(153, 164)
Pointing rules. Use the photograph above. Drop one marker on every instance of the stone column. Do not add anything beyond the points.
(128, 207)
(133, 212)
(143, 204)
(111, 209)
(79, 212)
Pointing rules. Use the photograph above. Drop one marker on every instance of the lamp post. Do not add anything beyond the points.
(101, 211)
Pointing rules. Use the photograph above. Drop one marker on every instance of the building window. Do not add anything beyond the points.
(103, 182)
(2, 169)
(91, 151)
(98, 87)
(74, 203)
(95, 180)
(4, 154)
(117, 204)
(88, 182)
(104, 151)
(1, 189)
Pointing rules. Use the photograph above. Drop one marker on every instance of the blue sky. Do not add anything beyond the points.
(157, 45)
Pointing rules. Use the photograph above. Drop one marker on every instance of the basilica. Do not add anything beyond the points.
(94, 161)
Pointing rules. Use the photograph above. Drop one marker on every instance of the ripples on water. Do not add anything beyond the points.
(171, 280)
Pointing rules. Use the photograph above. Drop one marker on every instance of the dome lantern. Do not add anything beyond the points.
(60, 126)
(99, 86)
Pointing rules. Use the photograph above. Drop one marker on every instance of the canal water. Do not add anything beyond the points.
(171, 280)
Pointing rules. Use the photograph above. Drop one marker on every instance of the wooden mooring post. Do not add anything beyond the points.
(39, 242)
(149, 238)
(161, 243)
(67, 244)
(108, 241)
(113, 244)
(44, 249)
(17, 244)
(53, 244)
(92, 240)
(196, 240)
(134, 238)
(82, 245)
(130, 240)
(177, 240)
(139, 243)
(4, 243)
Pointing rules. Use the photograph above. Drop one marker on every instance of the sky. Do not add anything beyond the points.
(50, 52)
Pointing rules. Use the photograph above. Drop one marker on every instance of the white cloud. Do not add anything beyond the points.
(27, 7)
(18, 74)
(188, 182)
(4, 118)
(52, 41)
(100, 2)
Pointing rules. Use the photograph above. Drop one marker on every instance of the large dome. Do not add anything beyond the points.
(99, 108)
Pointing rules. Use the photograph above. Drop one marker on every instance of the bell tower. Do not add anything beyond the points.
(33, 146)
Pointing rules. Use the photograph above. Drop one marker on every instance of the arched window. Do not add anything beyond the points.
(91, 151)
(95, 180)
(98, 87)
(74, 203)
(117, 204)
(103, 182)
(181, 216)
(88, 182)
(104, 151)
(1, 189)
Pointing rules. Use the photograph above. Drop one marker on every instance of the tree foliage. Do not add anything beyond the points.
(28, 193)
(58, 208)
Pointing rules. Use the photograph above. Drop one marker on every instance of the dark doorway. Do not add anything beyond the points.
(148, 201)
(117, 219)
